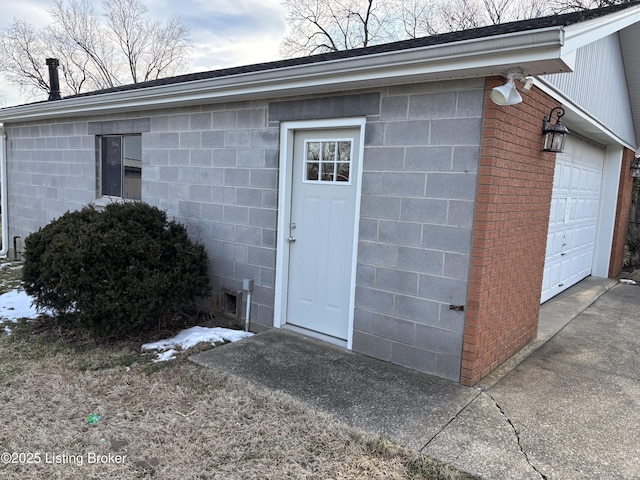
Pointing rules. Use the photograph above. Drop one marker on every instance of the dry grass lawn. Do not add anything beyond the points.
(170, 420)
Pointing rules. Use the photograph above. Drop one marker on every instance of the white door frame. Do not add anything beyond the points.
(608, 206)
(287, 131)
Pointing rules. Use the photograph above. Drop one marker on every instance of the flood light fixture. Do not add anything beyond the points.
(507, 94)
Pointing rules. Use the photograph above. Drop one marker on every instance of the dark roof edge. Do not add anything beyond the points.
(463, 35)
(521, 26)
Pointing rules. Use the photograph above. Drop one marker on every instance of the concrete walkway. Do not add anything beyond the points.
(567, 407)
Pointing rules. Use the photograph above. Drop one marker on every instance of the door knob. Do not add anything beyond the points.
(291, 239)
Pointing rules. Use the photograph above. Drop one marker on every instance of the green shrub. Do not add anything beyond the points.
(114, 271)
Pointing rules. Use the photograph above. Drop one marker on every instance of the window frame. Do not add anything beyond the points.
(321, 161)
(99, 167)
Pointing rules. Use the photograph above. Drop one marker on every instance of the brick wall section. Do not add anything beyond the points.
(514, 190)
(622, 215)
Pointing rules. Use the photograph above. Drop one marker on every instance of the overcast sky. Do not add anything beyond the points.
(225, 33)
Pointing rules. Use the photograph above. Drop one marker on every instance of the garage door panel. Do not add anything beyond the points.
(595, 178)
(569, 240)
(558, 211)
(562, 178)
(552, 276)
(581, 210)
(573, 216)
(554, 244)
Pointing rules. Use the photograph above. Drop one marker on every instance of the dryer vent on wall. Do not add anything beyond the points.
(231, 303)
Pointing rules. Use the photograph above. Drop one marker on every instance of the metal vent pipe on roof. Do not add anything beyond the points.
(54, 81)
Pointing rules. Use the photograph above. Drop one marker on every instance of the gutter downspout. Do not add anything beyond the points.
(4, 201)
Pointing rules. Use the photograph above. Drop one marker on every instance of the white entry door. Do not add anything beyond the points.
(321, 230)
(574, 216)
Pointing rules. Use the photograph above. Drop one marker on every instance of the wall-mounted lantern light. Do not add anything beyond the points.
(635, 168)
(555, 134)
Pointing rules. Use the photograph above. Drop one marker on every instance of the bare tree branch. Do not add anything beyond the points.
(168, 52)
(79, 23)
(152, 49)
(22, 53)
(130, 29)
(95, 53)
(317, 26)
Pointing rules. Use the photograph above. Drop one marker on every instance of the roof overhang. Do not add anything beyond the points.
(626, 24)
(579, 34)
(581, 121)
(536, 52)
(630, 40)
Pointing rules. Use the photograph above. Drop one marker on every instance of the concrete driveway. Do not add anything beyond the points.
(567, 407)
(571, 410)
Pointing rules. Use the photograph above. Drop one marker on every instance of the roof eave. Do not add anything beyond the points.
(583, 33)
(535, 52)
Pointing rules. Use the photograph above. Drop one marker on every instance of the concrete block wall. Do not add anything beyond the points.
(51, 169)
(419, 183)
(212, 168)
(515, 182)
(215, 169)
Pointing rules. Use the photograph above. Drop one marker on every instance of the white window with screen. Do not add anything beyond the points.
(120, 166)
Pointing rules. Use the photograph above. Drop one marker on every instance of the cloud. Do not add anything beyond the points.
(225, 33)
(33, 11)
(213, 51)
(230, 33)
(234, 33)
(225, 17)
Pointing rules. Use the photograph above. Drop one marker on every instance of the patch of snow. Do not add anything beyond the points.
(191, 337)
(17, 304)
(165, 356)
(11, 266)
(628, 281)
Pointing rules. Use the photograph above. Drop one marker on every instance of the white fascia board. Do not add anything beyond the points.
(570, 59)
(536, 52)
(581, 34)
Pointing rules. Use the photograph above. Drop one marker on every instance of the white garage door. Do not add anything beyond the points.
(574, 216)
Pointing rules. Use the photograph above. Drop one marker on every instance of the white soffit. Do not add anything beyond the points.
(626, 23)
(630, 42)
(579, 120)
